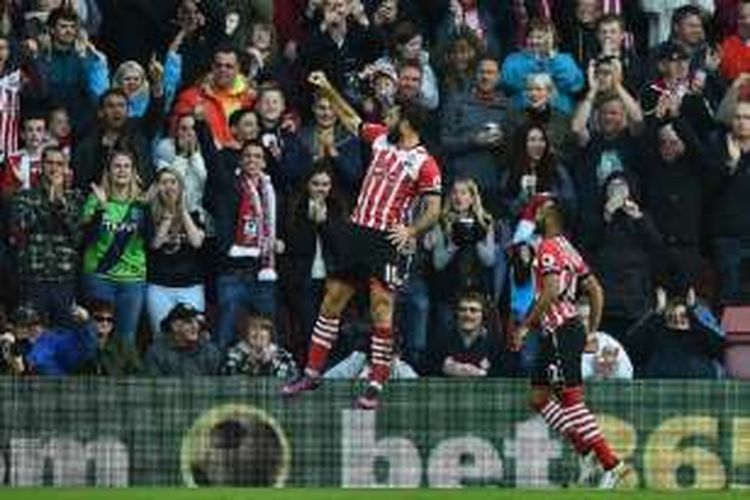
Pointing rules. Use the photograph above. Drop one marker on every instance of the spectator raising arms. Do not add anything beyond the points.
(222, 92)
(175, 238)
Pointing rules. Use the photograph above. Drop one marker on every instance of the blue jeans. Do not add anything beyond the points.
(53, 300)
(414, 303)
(127, 297)
(729, 253)
(237, 292)
(161, 299)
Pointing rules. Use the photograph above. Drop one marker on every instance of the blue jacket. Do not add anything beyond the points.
(350, 166)
(61, 351)
(563, 69)
(138, 103)
(75, 81)
(461, 120)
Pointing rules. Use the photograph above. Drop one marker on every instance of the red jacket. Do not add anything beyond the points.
(289, 20)
(735, 57)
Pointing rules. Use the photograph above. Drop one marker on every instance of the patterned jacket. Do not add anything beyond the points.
(279, 363)
(46, 234)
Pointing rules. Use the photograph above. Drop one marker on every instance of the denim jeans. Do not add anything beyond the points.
(127, 297)
(237, 292)
(161, 299)
(729, 254)
(414, 317)
(53, 300)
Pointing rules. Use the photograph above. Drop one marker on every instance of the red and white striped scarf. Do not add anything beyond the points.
(255, 231)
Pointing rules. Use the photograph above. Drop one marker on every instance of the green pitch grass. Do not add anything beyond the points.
(338, 494)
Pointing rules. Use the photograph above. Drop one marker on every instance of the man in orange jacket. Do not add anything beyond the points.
(223, 91)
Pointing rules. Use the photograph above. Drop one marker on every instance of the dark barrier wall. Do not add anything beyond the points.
(237, 431)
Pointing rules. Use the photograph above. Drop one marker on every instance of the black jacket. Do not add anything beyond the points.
(90, 155)
(730, 192)
(624, 260)
(302, 234)
(660, 352)
(674, 192)
(589, 178)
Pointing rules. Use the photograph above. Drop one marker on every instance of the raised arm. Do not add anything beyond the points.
(580, 123)
(632, 109)
(345, 113)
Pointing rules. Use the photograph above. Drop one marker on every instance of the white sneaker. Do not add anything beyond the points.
(612, 477)
(588, 466)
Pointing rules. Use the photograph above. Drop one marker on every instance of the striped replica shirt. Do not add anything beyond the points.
(10, 112)
(393, 181)
(557, 256)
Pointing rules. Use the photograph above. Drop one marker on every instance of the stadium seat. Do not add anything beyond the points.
(736, 322)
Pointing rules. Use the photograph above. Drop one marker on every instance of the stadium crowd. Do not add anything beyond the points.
(173, 189)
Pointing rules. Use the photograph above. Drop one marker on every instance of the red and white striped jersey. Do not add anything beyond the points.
(22, 171)
(10, 112)
(557, 256)
(393, 181)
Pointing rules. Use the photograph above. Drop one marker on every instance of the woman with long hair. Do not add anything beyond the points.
(538, 98)
(464, 249)
(182, 153)
(114, 259)
(331, 144)
(133, 79)
(316, 218)
(534, 168)
(175, 241)
(459, 63)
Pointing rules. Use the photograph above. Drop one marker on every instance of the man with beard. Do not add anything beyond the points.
(401, 170)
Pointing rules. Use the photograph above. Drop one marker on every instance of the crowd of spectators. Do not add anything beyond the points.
(172, 191)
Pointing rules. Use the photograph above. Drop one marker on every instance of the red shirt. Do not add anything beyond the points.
(21, 172)
(557, 256)
(735, 57)
(394, 179)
